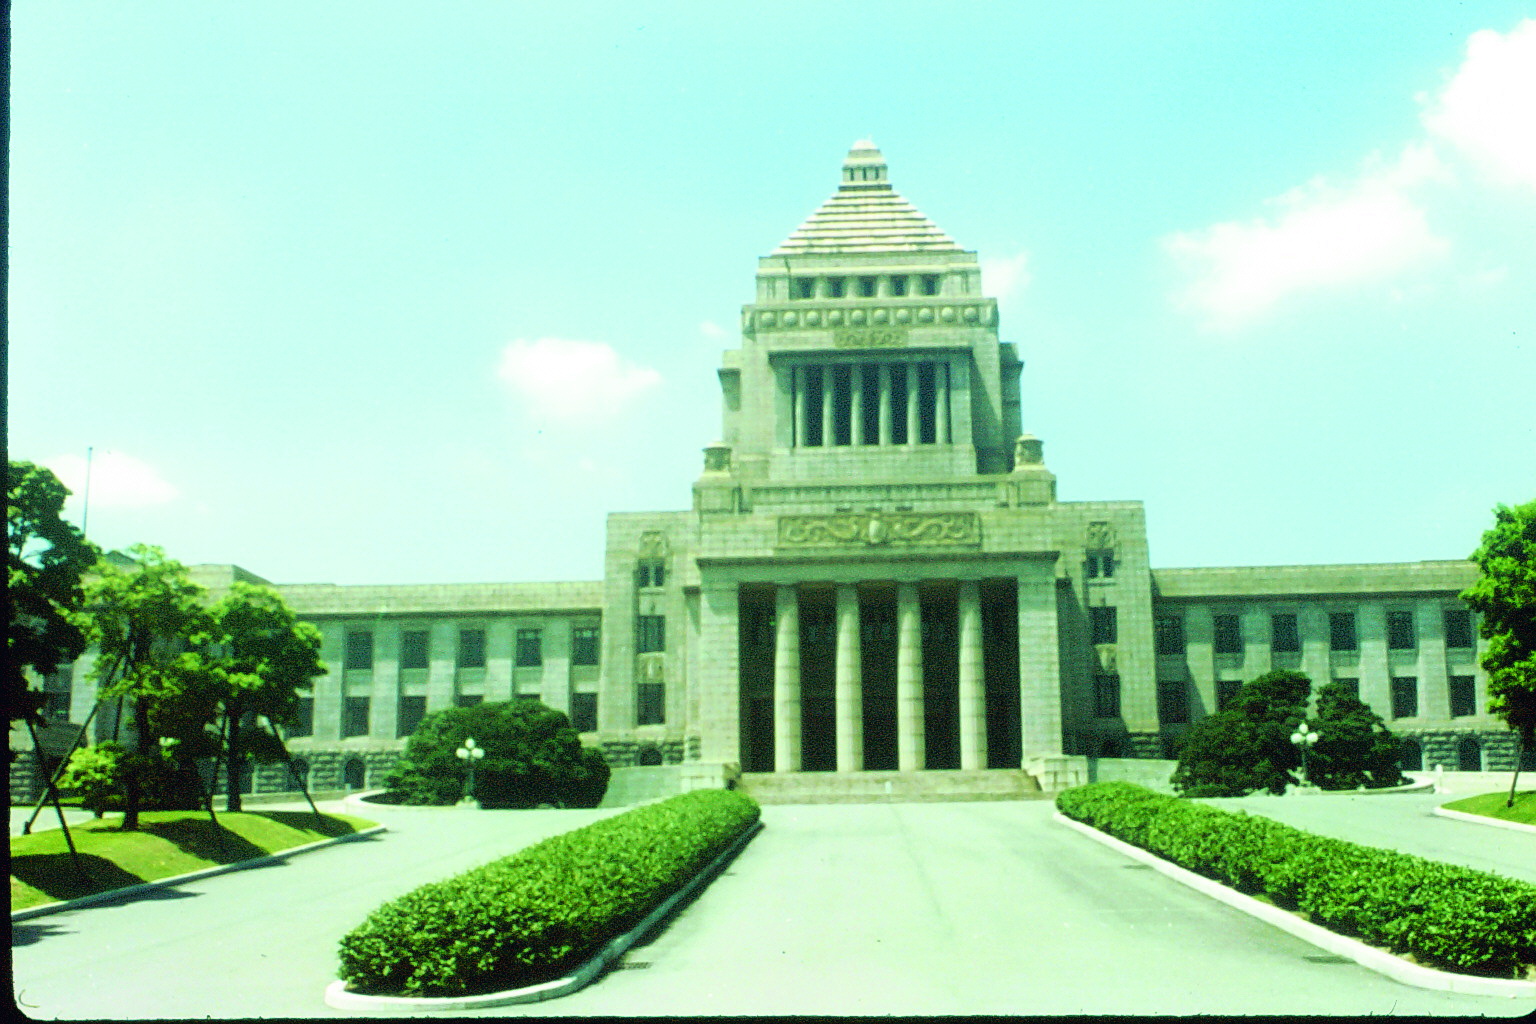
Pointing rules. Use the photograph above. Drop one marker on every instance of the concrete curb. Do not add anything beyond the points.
(190, 876)
(1366, 956)
(337, 996)
(1483, 819)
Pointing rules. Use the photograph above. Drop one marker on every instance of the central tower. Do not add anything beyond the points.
(870, 352)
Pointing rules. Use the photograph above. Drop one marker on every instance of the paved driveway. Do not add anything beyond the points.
(974, 908)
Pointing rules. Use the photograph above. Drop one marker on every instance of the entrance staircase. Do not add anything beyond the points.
(889, 787)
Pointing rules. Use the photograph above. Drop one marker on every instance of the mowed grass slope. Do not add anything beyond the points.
(1491, 805)
(167, 843)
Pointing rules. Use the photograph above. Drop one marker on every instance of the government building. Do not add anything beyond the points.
(875, 591)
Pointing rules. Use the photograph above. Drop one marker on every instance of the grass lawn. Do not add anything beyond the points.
(1491, 805)
(167, 843)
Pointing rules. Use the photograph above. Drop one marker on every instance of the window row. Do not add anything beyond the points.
(1285, 636)
(528, 650)
(863, 286)
(1173, 697)
(411, 709)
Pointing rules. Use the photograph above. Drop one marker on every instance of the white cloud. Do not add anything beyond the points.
(1001, 276)
(1319, 235)
(1488, 108)
(570, 381)
(116, 480)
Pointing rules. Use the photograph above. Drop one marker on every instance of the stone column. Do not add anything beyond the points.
(973, 701)
(941, 397)
(786, 681)
(798, 379)
(850, 682)
(885, 403)
(910, 750)
(914, 421)
(856, 404)
(443, 648)
(828, 421)
(1039, 666)
(719, 681)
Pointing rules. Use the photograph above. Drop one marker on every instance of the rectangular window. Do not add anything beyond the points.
(1463, 696)
(471, 648)
(650, 634)
(468, 700)
(898, 284)
(412, 710)
(1283, 634)
(1341, 632)
(584, 645)
(584, 712)
(1100, 563)
(930, 284)
(1106, 696)
(835, 287)
(650, 704)
(1405, 697)
(1170, 634)
(1172, 702)
(413, 648)
(1351, 685)
(360, 649)
(1400, 631)
(354, 717)
(56, 695)
(1101, 621)
(1229, 634)
(651, 572)
(803, 288)
(1458, 627)
(1227, 691)
(303, 718)
(866, 287)
(530, 647)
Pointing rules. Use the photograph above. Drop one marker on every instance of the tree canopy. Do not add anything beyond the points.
(1246, 746)
(532, 756)
(1355, 749)
(1505, 598)
(47, 556)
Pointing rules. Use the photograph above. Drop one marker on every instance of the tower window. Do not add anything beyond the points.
(1400, 631)
(929, 284)
(1169, 630)
(898, 284)
(866, 287)
(1458, 627)
(1283, 633)
(1103, 625)
(651, 572)
(413, 648)
(1229, 634)
(836, 287)
(360, 649)
(1101, 563)
(584, 645)
(530, 647)
(471, 648)
(650, 634)
(650, 704)
(1341, 632)
(802, 288)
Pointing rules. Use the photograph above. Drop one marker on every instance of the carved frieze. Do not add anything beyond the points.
(1101, 534)
(870, 337)
(653, 544)
(881, 529)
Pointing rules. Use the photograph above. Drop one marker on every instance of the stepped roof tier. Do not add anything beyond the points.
(866, 215)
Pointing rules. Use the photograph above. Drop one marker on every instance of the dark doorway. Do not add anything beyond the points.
(877, 649)
(941, 681)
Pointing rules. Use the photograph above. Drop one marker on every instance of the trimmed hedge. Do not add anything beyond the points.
(1446, 916)
(529, 917)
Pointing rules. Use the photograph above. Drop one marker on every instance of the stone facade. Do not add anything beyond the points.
(875, 577)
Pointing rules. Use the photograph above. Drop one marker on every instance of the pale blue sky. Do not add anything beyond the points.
(288, 267)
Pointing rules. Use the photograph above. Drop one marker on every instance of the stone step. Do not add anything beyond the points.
(889, 787)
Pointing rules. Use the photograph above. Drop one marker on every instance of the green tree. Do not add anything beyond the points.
(262, 657)
(151, 623)
(1355, 748)
(532, 756)
(47, 557)
(1505, 598)
(1246, 746)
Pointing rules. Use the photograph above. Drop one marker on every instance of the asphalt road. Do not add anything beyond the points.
(977, 908)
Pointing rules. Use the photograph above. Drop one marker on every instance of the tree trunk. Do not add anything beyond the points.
(132, 787)
(232, 763)
(1522, 743)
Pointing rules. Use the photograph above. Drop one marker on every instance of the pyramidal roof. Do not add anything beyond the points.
(866, 215)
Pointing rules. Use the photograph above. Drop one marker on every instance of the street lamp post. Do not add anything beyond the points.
(1305, 739)
(469, 754)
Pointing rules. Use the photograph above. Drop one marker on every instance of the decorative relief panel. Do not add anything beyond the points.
(651, 668)
(876, 529)
(653, 544)
(874, 337)
(1101, 534)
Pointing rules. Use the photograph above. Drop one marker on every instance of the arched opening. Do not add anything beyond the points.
(1412, 757)
(650, 754)
(354, 775)
(1469, 755)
